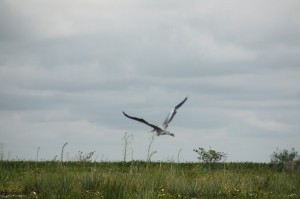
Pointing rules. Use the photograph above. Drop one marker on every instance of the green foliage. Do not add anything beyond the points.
(210, 156)
(138, 179)
(284, 159)
(84, 157)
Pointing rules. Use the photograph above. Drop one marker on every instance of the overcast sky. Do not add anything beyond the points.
(68, 68)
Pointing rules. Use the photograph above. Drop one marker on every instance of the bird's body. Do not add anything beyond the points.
(160, 130)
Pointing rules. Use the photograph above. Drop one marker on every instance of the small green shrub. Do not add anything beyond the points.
(285, 159)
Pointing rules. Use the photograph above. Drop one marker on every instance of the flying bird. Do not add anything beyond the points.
(160, 130)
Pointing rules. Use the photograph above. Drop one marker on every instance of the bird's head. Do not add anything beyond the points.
(168, 133)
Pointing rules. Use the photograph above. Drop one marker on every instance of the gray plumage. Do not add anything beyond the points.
(160, 130)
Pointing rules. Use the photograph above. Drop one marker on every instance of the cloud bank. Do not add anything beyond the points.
(69, 68)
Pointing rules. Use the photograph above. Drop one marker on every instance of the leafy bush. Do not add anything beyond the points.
(211, 156)
(284, 159)
(85, 157)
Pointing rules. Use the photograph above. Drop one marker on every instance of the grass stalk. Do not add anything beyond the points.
(62, 153)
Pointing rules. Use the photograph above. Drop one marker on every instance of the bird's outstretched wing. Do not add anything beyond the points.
(143, 121)
(172, 114)
(180, 104)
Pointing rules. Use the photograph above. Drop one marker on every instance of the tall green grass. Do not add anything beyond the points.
(145, 180)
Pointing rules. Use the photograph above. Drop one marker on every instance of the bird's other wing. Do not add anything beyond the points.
(169, 118)
(143, 121)
(180, 104)
(172, 114)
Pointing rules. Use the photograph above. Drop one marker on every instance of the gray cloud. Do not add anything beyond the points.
(69, 68)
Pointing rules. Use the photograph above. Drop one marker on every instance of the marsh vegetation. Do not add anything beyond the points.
(139, 179)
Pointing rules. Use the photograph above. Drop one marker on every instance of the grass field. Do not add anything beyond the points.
(139, 180)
